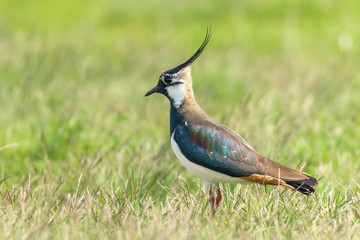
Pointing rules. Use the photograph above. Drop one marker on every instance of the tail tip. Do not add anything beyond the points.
(305, 186)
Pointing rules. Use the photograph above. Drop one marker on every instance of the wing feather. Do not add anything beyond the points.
(217, 147)
(212, 148)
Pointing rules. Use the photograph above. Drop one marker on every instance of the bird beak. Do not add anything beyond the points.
(154, 90)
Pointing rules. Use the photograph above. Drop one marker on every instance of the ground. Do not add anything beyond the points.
(84, 155)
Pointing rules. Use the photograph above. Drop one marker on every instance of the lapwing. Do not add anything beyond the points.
(212, 151)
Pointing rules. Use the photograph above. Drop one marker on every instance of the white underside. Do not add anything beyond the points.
(205, 174)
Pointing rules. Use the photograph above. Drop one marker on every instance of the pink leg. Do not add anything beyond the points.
(212, 201)
(218, 196)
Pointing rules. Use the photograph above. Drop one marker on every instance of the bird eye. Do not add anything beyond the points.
(167, 80)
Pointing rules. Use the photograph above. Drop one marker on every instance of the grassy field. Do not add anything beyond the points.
(83, 155)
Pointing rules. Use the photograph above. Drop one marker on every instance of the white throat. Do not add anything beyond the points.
(177, 93)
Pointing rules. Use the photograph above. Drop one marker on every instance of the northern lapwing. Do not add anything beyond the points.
(212, 151)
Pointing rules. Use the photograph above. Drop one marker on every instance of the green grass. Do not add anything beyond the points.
(87, 156)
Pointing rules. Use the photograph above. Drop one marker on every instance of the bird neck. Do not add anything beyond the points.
(175, 118)
(188, 111)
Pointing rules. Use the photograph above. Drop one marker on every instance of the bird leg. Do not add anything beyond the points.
(212, 200)
(218, 197)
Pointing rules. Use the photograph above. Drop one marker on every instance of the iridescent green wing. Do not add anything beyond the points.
(218, 148)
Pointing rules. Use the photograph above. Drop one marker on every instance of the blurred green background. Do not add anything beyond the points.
(73, 74)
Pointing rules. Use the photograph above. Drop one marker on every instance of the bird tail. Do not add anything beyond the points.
(291, 178)
(273, 173)
(305, 186)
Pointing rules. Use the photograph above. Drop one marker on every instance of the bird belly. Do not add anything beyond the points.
(201, 172)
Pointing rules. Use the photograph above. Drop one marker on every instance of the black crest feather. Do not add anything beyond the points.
(196, 54)
(200, 50)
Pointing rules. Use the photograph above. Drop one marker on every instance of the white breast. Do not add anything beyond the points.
(201, 172)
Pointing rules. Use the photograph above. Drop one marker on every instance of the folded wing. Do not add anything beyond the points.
(218, 148)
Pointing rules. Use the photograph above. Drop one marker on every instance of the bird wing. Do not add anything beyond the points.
(218, 148)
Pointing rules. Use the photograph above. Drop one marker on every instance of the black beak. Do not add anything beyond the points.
(154, 90)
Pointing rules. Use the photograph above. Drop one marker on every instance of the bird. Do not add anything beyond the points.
(212, 151)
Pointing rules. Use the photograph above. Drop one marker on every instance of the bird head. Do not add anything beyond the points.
(176, 83)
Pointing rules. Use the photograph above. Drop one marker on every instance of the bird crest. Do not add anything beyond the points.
(176, 83)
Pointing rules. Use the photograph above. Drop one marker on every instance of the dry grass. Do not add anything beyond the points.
(48, 211)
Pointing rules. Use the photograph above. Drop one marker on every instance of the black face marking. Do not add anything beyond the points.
(175, 83)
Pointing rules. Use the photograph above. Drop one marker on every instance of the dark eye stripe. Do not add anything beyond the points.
(175, 83)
